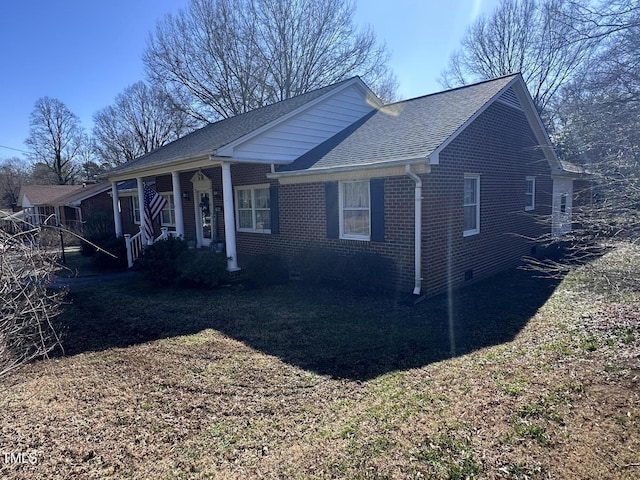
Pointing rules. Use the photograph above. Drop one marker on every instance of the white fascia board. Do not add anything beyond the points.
(193, 162)
(227, 150)
(536, 124)
(434, 158)
(349, 168)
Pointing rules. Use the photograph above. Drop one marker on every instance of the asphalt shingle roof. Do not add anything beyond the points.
(47, 194)
(216, 135)
(411, 129)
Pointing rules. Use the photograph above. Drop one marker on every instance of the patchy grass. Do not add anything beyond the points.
(76, 266)
(297, 383)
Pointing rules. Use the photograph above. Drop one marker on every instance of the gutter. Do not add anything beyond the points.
(349, 168)
(417, 229)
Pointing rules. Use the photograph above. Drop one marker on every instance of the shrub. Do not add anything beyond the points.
(363, 272)
(159, 262)
(202, 269)
(97, 229)
(367, 273)
(265, 270)
(319, 266)
(115, 246)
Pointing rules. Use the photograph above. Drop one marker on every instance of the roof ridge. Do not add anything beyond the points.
(461, 87)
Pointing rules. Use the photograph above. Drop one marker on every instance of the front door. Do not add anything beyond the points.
(203, 207)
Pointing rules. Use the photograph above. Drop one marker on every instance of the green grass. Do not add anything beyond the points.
(301, 383)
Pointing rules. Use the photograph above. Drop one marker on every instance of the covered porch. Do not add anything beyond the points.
(199, 209)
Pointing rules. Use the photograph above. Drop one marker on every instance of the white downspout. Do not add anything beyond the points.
(418, 229)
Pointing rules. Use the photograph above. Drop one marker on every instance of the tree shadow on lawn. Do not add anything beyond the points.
(321, 330)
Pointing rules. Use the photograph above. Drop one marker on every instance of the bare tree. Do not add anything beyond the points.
(598, 129)
(141, 119)
(27, 307)
(542, 39)
(14, 173)
(220, 58)
(55, 138)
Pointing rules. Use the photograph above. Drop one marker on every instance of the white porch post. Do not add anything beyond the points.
(229, 218)
(143, 236)
(177, 202)
(117, 216)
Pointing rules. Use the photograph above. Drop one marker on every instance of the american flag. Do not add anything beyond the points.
(153, 205)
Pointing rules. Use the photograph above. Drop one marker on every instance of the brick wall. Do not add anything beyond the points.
(499, 146)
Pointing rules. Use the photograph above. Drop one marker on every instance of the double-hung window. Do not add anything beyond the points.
(530, 194)
(135, 209)
(253, 209)
(355, 210)
(168, 213)
(471, 205)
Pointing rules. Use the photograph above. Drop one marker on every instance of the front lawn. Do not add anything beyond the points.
(516, 377)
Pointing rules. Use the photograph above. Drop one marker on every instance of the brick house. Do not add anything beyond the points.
(67, 205)
(450, 186)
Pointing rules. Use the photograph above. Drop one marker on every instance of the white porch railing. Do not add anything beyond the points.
(166, 233)
(135, 246)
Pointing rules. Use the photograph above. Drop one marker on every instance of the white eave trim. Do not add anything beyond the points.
(349, 168)
(227, 150)
(191, 162)
(530, 112)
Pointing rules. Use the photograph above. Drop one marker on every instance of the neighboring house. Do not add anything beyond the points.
(450, 186)
(67, 205)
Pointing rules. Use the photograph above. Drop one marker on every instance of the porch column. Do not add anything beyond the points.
(177, 202)
(56, 211)
(143, 235)
(117, 216)
(229, 218)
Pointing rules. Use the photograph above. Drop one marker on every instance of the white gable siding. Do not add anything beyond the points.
(288, 140)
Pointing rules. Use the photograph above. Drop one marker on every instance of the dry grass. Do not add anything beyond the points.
(293, 383)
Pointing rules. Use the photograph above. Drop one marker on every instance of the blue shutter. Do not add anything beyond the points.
(377, 209)
(275, 209)
(331, 203)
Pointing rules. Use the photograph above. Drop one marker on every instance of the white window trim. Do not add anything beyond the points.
(347, 236)
(475, 231)
(253, 189)
(134, 200)
(532, 206)
(167, 196)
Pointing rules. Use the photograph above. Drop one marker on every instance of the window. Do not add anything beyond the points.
(135, 208)
(168, 213)
(471, 208)
(355, 211)
(530, 194)
(253, 209)
(563, 203)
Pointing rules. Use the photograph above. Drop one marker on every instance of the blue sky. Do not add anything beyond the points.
(85, 52)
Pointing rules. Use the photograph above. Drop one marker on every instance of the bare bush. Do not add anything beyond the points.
(27, 305)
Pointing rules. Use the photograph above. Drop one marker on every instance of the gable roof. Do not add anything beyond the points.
(46, 194)
(409, 131)
(207, 140)
(87, 191)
